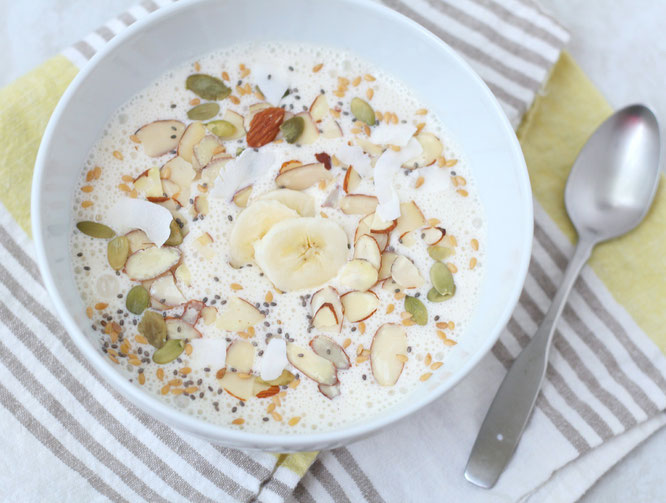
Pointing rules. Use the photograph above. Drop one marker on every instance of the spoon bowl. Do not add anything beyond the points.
(613, 181)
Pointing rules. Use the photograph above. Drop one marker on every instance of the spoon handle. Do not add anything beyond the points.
(512, 406)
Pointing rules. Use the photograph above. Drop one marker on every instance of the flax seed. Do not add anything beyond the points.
(101, 306)
(89, 312)
(361, 327)
(294, 384)
(142, 378)
(197, 66)
(421, 111)
(408, 322)
(451, 325)
(234, 99)
(436, 365)
(276, 416)
(86, 204)
(419, 181)
(225, 76)
(419, 127)
(191, 389)
(271, 408)
(195, 101)
(165, 389)
(235, 286)
(317, 67)
(390, 308)
(87, 188)
(346, 343)
(370, 93)
(399, 295)
(188, 349)
(450, 342)
(124, 187)
(451, 162)
(462, 192)
(117, 155)
(425, 376)
(395, 148)
(133, 194)
(427, 360)
(160, 374)
(472, 263)
(339, 93)
(369, 77)
(452, 267)
(294, 420)
(359, 350)
(402, 358)
(113, 359)
(356, 81)
(185, 370)
(175, 382)
(177, 391)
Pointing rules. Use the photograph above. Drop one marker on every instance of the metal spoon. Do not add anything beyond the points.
(609, 191)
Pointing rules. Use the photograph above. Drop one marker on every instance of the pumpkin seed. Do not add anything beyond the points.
(117, 251)
(292, 129)
(221, 129)
(176, 236)
(207, 87)
(169, 352)
(153, 327)
(95, 229)
(203, 112)
(137, 300)
(435, 296)
(439, 252)
(283, 379)
(416, 308)
(442, 279)
(239, 151)
(363, 112)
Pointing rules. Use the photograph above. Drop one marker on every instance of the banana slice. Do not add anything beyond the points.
(302, 252)
(252, 224)
(298, 201)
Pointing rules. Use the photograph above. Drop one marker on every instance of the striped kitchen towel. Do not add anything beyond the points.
(605, 389)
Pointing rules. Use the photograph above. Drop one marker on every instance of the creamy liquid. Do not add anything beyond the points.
(361, 396)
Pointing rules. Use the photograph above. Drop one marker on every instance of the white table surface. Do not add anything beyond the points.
(621, 45)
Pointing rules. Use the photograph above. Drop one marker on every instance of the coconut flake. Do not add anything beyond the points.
(274, 359)
(355, 156)
(208, 352)
(273, 83)
(129, 214)
(386, 167)
(392, 134)
(241, 172)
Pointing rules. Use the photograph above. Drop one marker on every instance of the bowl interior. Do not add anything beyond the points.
(181, 32)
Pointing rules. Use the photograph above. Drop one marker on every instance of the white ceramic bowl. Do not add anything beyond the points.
(187, 29)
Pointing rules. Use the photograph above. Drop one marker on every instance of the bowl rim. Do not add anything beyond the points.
(248, 439)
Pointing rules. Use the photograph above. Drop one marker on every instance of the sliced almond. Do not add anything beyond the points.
(405, 273)
(351, 181)
(432, 235)
(160, 137)
(369, 147)
(387, 262)
(329, 392)
(194, 133)
(212, 169)
(328, 295)
(304, 176)
(165, 291)
(183, 275)
(204, 151)
(359, 306)
(240, 356)
(380, 226)
(411, 218)
(149, 184)
(358, 204)
(138, 240)
(287, 165)
(367, 248)
(170, 188)
(208, 315)
(310, 131)
(203, 245)
(331, 350)
(201, 204)
(238, 386)
(192, 311)
(238, 314)
(330, 128)
(408, 239)
(319, 108)
(312, 365)
(178, 329)
(241, 197)
(358, 274)
(432, 149)
(364, 228)
(325, 318)
(152, 262)
(387, 353)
